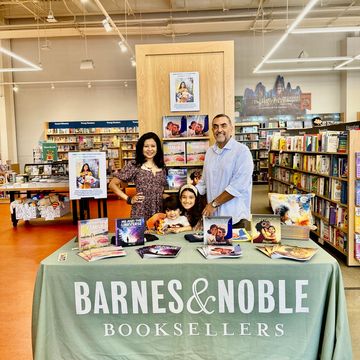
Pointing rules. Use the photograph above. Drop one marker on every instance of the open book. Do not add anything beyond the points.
(217, 252)
(102, 253)
(239, 235)
(288, 251)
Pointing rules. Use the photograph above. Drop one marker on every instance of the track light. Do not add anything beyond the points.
(51, 18)
(106, 25)
(87, 65)
(123, 47)
(52, 87)
(133, 61)
(89, 85)
(126, 84)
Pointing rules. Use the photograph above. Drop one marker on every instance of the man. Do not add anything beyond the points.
(227, 175)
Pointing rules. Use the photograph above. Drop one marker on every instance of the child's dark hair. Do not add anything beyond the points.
(282, 210)
(195, 213)
(171, 203)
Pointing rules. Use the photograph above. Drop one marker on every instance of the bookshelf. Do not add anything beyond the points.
(316, 163)
(117, 138)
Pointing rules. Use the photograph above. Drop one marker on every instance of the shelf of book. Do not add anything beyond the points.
(330, 175)
(106, 136)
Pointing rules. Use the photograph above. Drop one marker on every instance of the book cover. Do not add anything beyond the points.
(102, 253)
(357, 219)
(174, 126)
(194, 175)
(240, 235)
(49, 151)
(218, 251)
(197, 125)
(159, 251)
(357, 165)
(342, 145)
(129, 232)
(265, 228)
(174, 153)
(176, 178)
(288, 252)
(195, 152)
(217, 230)
(93, 233)
(85, 142)
(357, 192)
(357, 246)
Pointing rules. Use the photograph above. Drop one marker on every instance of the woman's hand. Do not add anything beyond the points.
(137, 198)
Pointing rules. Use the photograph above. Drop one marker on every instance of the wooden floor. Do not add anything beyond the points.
(22, 249)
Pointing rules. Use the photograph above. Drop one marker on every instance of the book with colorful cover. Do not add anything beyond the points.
(357, 219)
(357, 165)
(176, 178)
(195, 152)
(218, 251)
(288, 252)
(217, 230)
(93, 233)
(265, 228)
(174, 126)
(240, 235)
(129, 232)
(49, 151)
(159, 251)
(194, 175)
(102, 253)
(174, 153)
(357, 192)
(197, 125)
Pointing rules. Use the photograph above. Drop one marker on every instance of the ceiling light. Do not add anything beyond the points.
(133, 61)
(106, 25)
(89, 85)
(125, 84)
(87, 64)
(15, 88)
(326, 30)
(123, 47)
(52, 87)
(51, 18)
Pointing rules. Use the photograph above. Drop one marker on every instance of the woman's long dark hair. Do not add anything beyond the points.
(140, 158)
(195, 213)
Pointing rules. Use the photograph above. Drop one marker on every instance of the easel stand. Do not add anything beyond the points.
(84, 209)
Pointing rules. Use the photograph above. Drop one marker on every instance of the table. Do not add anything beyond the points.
(130, 308)
(56, 187)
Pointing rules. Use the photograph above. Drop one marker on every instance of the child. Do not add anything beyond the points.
(269, 233)
(174, 222)
(211, 234)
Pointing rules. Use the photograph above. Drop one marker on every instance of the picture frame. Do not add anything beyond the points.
(184, 91)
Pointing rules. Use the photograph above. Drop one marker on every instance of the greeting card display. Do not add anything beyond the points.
(129, 232)
(217, 230)
(265, 229)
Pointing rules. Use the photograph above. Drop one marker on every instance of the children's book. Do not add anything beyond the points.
(288, 252)
(194, 175)
(93, 233)
(357, 164)
(174, 126)
(102, 253)
(174, 153)
(218, 251)
(239, 235)
(195, 152)
(217, 230)
(176, 178)
(159, 251)
(129, 232)
(265, 229)
(357, 192)
(197, 125)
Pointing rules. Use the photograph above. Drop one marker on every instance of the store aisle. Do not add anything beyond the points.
(22, 249)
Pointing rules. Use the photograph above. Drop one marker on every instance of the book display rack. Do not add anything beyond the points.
(322, 163)
(117, 138)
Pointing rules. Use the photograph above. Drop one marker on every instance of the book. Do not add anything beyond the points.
(93, 233)
(49, 151)
(176, 178)
(217, 230)
(174, 153)
(159, 251)
(174, 126)
(129, 232)
(357, 192)
(357, 165)
(288, 252)
(357, 219)
(197, 125)
(239, 235)
(102, 253)
(194, 175)
(195, 152)
(265, 228)
(218, 251)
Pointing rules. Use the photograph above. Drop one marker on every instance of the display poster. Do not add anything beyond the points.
(87, 175)
(184, 91)
(281, 99)
(49, 151)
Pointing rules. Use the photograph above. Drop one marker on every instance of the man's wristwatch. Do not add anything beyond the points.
(214, 204)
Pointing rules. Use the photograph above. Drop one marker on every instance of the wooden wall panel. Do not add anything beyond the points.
(213, 60)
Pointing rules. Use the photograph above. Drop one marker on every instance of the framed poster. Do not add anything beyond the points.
(184, 91)
(87, 175)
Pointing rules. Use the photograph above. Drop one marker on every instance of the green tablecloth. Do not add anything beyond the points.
(189, 307)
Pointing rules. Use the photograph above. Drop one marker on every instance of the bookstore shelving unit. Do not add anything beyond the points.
(117, 138)
(322, 163)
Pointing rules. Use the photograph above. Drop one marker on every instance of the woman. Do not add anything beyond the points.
(84, 180)
(147, 173)
(191, 205)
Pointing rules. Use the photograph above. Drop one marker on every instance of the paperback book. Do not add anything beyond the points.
(240, 235)
(288, 252)
(194, 176)
(195, 152)
(102, 253)
(159, 251)
(174, 153)
(217, 230)
(357, 164)
(218, 251)
(197, 125)
(174, 126)
(176, 178)
(93, 233)
(129, 232)
(266, 229)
